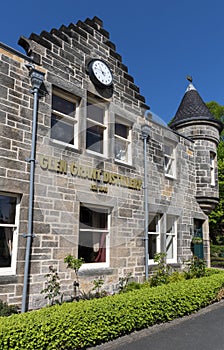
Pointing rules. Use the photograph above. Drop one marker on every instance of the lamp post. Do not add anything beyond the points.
(37, 78)
(145, 132)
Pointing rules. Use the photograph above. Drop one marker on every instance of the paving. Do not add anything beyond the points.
(203, 330)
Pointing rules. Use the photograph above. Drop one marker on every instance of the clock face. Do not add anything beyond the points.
(100, 73)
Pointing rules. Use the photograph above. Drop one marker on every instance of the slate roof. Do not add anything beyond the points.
(192, 107)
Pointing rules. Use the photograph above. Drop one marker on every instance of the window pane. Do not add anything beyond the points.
(153, 224)
(92, 246)
(94, 138)
(7, 209)
(92, 218)
(152, 246)
(62, 129)
(6, 243)
(121, 130)
(169, 164)
(63, 106)
(95, 112)
(120, 150)
(169, 247)
(168, 150)
(170, 226)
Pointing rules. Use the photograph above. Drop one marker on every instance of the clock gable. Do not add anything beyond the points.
(65, 52)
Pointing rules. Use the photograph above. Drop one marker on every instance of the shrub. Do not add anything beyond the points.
(196, 268)
(211, 271)
(95, 292)
(217, 256)
(52, 287)
(161, 272)
(7, 310)
(132, 286)
(123, 282)
(91, 322)
(74, 264)
(176, 276)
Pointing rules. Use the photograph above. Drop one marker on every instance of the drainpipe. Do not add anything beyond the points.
(145, 131)
(37, 78)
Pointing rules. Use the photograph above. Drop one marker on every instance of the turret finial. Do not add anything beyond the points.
(189, 78)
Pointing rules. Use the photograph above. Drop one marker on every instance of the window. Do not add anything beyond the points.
(9, 212)
(169, 160)
(64, 126)
(122, 136)
(212, 167)
(162, 234)
(154, 235)
(171, 238)
(94, 235)
(96, 133)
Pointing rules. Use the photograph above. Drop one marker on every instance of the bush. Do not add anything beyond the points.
(7, 310)
(217, 256)
(87, 323)
(132, 286)
(162, 271)
(218, 262)
(196, 268)
(211, 271)
(176, 276)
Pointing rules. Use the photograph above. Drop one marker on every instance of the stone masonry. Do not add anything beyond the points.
(63, 55)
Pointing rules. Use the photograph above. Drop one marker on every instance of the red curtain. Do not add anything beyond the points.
(101, 256)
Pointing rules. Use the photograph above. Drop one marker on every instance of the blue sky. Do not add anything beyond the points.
(161, 41)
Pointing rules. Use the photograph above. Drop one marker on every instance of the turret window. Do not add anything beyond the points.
(212, 167)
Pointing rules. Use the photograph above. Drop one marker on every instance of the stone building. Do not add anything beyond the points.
(96, 171)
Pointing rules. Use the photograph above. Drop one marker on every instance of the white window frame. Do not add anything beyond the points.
(171, 164)
(103, 125)
(97, 265)
(6, 271)
(156, 233)
(212, 167)
(128, 141)
(172, 234)
(74, 120)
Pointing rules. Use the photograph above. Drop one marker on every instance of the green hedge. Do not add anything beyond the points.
(86, 323)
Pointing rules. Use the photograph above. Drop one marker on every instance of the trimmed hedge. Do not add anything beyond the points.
(217, 256)
(73, 326)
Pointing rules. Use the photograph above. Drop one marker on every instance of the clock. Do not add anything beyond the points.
(100, 73)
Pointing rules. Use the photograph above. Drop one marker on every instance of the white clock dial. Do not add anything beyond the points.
(100, 72)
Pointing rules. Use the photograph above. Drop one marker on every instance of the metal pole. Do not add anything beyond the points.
(145, 135)
(146, 213)
(36, 79)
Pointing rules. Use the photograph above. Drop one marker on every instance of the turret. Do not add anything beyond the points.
(194, 120)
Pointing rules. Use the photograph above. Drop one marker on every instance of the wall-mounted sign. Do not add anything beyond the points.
(77, 170)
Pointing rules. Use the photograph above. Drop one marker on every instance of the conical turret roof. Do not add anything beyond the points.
(191, 108)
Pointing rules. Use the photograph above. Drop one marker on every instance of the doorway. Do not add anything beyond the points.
(198, 248)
